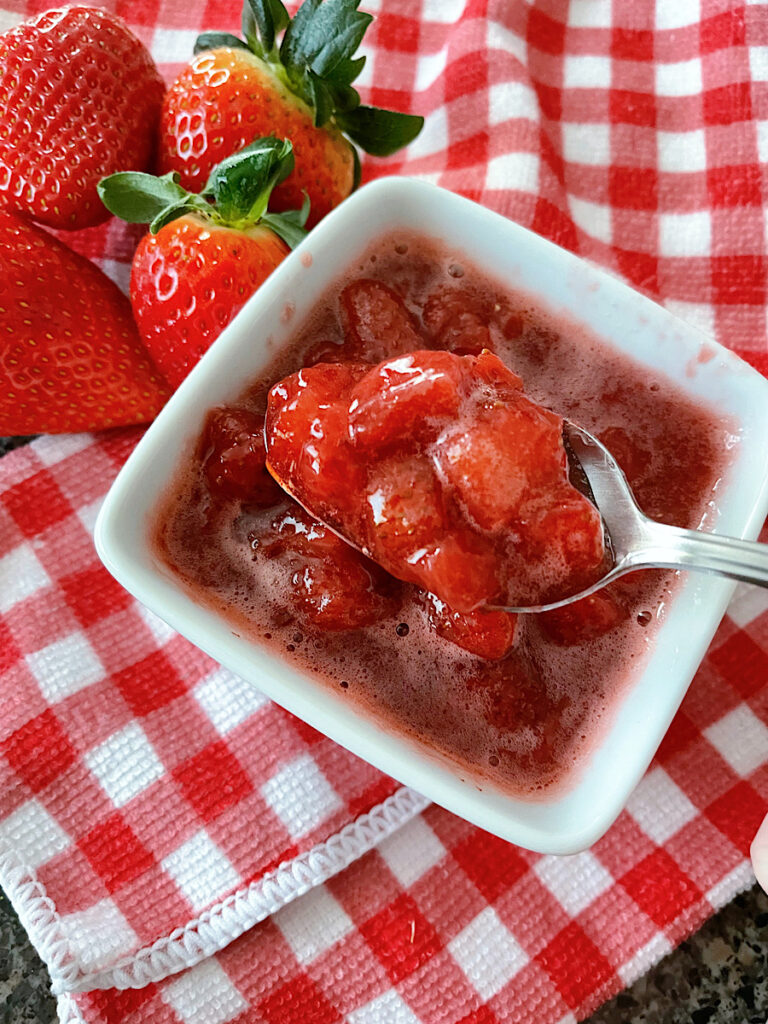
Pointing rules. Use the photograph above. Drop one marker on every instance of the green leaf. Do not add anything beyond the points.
(337, 31)
(250, 30)
(270, 17)
(289, 225)
(240, 186)
(345, 72)
(190, 204)
(290, 48)
(358, 170)
(379, 132)
(215, 40)
(320, 98)
(324, 37)
(344, 97)
(140, 198)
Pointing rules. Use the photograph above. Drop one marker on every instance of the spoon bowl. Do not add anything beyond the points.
(634, 541)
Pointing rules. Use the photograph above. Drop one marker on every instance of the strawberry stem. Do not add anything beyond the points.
(236, 194)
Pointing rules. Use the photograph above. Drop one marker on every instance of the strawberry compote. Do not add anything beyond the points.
(452, 479)
(513, 701)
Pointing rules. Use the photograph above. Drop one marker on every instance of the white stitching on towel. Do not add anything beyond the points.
(212, 930)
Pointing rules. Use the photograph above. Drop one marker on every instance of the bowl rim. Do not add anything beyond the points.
(123, 516)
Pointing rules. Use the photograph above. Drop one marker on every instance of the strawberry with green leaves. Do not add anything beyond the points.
(71, 358)
(297, 85)
(79, 98)
(205, 253)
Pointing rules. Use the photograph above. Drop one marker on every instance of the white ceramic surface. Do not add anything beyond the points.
(564, 283)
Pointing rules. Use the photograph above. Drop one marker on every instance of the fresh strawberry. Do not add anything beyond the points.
(300, 89)
(80, 98)
(70, 358)
(205, 254)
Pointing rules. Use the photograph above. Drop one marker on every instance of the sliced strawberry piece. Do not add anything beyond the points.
(377, 323)
(456, 321)
(404, 508)
(489, 635)
(462, 569)
(584, 620)
(325, 352)
(235, 465)
(567, 531)
(409, 398)
(493, 463)
(306, 428)
(513, 327)
(331, 585)
(504, 384)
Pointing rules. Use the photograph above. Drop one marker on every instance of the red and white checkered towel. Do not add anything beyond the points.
(180, 849)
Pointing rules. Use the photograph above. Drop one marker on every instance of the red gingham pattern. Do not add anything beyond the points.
(139, 782)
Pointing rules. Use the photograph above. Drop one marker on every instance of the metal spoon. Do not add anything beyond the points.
(637, 542)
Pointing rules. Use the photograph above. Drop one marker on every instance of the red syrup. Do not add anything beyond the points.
(515, 701)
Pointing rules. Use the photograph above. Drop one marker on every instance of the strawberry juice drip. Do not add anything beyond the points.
(525, 722)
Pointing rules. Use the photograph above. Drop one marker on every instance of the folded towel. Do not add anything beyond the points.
(179, 848)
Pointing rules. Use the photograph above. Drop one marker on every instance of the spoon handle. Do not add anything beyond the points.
(673, 548)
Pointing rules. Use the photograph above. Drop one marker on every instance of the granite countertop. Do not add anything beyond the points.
(720, 975)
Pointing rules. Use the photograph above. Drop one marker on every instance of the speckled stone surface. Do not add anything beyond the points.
(25, 996)
(720, 976)
(8, 443)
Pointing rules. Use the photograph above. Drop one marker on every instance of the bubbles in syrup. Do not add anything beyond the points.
(402, 629)
(644, 618)
(456, 270)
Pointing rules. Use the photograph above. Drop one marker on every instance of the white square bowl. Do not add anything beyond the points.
(563, 283)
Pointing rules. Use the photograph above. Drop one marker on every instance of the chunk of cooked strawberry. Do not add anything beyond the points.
(408, 398)
(456, 320)
(306, 431)
(325, 352)
(493, 463)
(584, 620)
(404, 508)
(331, 585)
(634, 460)
(502, 383)
(235, 463)
(567, 532)
(462, 568)
(377, 323)
(439, 494)
(488, 635)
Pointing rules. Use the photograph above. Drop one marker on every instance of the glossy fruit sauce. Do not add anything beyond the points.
(517, 702)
